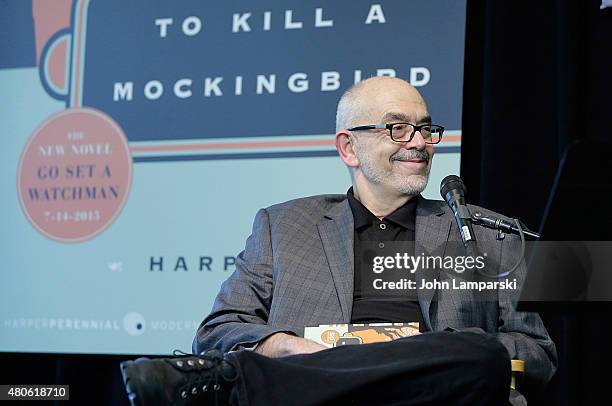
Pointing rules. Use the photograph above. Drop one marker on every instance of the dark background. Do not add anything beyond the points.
(537, 77)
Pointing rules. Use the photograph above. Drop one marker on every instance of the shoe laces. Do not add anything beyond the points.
(213, 361)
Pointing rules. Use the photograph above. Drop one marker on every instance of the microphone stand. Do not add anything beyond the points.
(503, 226)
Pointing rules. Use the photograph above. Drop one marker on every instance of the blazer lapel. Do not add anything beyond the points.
(431, 234)
(337, 233)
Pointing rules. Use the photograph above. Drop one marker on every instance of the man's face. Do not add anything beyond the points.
(396, 166)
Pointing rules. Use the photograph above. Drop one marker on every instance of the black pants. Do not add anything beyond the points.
(441, 368)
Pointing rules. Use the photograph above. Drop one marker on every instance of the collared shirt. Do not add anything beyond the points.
(375, 237)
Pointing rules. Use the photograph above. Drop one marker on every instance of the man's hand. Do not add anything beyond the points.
(282, 345)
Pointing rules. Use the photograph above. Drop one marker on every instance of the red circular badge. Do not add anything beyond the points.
(74, 175)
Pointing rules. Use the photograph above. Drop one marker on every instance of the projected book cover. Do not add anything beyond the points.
(141, 137)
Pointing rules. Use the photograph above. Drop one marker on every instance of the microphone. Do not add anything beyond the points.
(452, 191)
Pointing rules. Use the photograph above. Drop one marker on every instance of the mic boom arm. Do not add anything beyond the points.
(501, 225)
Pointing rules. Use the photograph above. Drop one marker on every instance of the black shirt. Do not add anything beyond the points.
(375, 237)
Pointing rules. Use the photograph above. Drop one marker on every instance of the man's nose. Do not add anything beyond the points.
(417, 142)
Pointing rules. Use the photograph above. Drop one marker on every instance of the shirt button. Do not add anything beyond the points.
(381, 245)
(383, 226)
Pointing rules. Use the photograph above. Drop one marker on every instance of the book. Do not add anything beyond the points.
(336, 335)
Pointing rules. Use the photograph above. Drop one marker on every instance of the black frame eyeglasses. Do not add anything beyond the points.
(432, 133)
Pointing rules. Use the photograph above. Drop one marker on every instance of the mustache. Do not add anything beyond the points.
(411, 154)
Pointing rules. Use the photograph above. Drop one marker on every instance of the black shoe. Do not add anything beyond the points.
(179, 380)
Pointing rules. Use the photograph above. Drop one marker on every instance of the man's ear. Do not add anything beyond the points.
(345, 142)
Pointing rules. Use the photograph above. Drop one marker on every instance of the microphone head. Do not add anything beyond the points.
(452, 183)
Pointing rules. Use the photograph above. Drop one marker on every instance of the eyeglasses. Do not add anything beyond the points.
(404, 132)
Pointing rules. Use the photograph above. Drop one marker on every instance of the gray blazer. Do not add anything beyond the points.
(297, 270)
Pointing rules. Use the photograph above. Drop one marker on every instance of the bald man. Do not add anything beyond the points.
(303, 265)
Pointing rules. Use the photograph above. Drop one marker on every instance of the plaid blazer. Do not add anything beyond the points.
(297, 270)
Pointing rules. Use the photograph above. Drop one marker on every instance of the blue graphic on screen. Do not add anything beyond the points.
(17, 48)
(216, 54)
